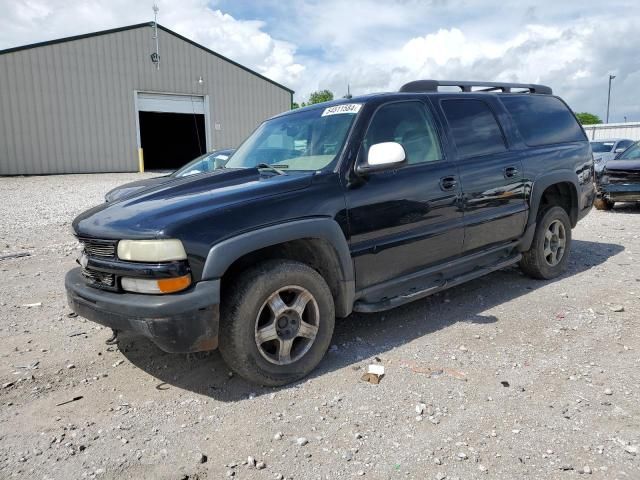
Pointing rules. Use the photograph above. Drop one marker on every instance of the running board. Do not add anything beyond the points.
(389, 303)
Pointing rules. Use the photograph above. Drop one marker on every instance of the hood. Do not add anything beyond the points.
(132, 187)
(615, 165)
(157, 211)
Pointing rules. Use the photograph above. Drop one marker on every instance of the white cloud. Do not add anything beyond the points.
(377, 46)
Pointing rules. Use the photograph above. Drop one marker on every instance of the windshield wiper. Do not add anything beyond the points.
(272, 168)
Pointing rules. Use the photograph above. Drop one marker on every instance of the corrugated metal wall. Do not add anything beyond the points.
(630, 130)
(69, 107)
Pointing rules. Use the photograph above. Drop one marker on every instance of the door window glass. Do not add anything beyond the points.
(410, 125)
(474, 127)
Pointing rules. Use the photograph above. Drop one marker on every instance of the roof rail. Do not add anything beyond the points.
(432, 86)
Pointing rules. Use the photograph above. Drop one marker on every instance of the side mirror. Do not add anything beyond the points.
(619, 150)
(383, 156)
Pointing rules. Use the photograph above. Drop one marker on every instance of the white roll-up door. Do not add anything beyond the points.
(159, 102)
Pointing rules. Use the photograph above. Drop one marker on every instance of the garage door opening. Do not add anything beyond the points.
(170, 140)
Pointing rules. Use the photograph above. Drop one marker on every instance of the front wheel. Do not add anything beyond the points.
(547, 258)
(277, 322)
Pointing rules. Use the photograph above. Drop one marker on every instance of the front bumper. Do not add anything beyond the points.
(620, 192)
(178, 323)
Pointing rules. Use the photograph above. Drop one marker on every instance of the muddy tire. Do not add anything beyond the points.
(547, 258)
(276, 323)
(603, 204)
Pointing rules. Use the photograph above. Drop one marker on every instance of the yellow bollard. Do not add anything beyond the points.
(140, 160)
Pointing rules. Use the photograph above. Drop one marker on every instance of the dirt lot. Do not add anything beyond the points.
(519, 378)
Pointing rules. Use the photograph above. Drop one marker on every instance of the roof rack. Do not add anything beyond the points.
(432, 86)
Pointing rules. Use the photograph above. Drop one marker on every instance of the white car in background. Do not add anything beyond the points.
(605, 150)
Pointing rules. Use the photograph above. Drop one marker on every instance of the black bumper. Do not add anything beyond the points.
(621, 192)
(178, 323)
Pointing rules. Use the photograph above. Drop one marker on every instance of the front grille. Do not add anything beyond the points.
(99, 248)
(99, 279)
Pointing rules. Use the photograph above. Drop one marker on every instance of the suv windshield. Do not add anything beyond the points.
(306, 140)
(631, 153)
(602, 147)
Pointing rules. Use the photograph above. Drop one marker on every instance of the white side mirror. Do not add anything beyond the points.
(619, 150)
(383, 156)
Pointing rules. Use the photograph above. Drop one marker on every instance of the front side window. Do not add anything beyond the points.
(410, 125)
(631, 153)
(474, 128)
(305, 140)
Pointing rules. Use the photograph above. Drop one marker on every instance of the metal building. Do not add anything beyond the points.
(604, 131)
(99, 102)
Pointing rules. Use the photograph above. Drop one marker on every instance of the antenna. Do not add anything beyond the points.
(348, 95)
(155, 56)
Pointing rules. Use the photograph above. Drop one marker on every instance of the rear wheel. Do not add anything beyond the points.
(277, 323)
(547, 258)
(603, 204)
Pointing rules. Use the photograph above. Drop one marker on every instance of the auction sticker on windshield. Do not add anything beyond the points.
(346, 108)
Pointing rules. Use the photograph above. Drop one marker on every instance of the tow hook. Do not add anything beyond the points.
(113, 340)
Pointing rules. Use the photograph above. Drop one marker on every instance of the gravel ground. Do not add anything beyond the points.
(504, 377)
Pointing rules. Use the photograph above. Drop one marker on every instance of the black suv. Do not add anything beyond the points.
(354, 205)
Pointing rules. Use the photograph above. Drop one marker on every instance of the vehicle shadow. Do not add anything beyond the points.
(628, 207)
(361, 336)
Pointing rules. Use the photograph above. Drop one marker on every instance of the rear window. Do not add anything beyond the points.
(474, 127)
(543, 120)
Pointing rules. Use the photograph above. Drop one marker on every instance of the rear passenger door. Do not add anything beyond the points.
(491, 176)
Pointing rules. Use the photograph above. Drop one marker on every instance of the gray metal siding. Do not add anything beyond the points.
(69, 107)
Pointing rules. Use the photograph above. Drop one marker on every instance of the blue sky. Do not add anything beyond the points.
(378, 45)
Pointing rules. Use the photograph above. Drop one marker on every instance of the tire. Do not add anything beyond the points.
(603, 204)
(544, 260)
(254, 340)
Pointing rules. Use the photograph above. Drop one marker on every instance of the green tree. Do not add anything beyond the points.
(586, 118)
(320, 96)
(295, 105)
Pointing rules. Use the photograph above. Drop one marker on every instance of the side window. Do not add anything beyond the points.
(409, 124)
(474, 127)
(624, 144)
(543, 119)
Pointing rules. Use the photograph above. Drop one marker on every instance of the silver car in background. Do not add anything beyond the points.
(605, 150)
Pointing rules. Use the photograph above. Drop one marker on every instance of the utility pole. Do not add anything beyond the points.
(155, 57)
(611, 77)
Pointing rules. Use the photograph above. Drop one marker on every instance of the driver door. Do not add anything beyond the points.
(406, 219)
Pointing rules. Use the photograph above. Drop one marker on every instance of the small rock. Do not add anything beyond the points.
(462, 348)
(302, 441)
(261, 465)
(70, 366)
(482, 468)
(608, 391)
(616, 308)
(360, 473)
(462, 456)
(632, 449)
(420, 408)
(586, 469)
(251, 462)
(358, 436)
(437, 461)
(278, 436)
(279, 476)
(440, 476)
(230, 473)
(7, 385)
(201, 458)
(119, 362)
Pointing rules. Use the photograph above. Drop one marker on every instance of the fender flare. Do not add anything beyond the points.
(223, 254)
(541, 183)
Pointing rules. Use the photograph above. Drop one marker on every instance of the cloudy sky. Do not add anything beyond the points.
(376, 45)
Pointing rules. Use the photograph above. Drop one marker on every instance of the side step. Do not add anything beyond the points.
(389, 303)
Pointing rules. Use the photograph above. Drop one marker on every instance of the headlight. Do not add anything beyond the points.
(156, 286)
(151, 250)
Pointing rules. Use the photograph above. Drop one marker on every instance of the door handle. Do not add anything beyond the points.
(448, 183)
(510, 172)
